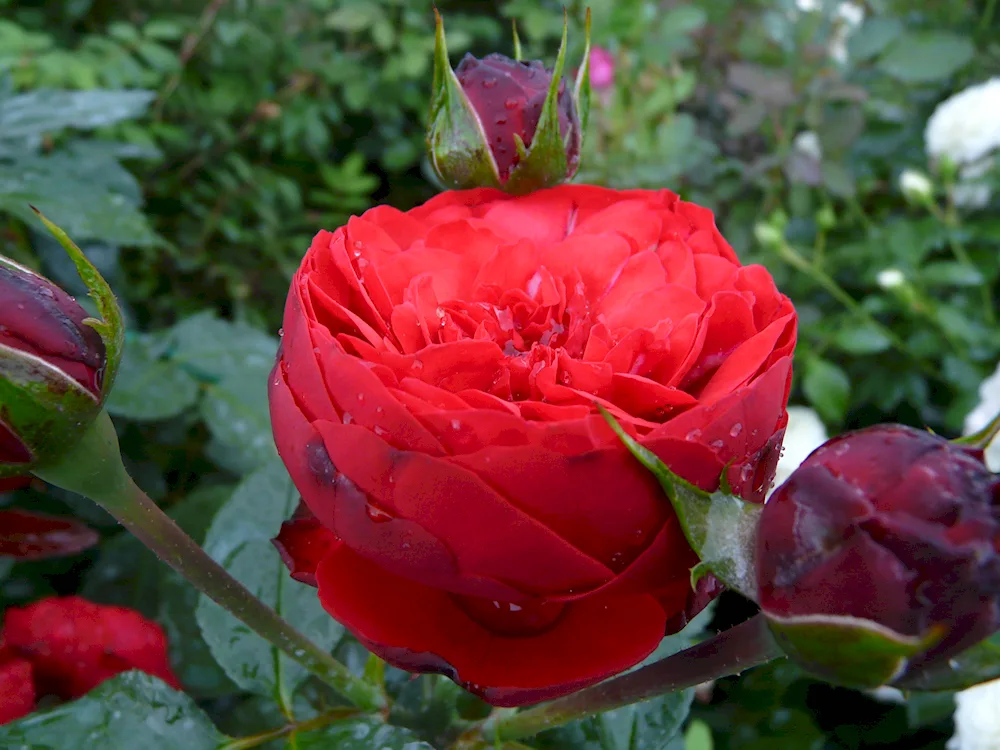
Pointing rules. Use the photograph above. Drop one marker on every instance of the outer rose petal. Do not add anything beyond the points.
(36, 536)
(17, 692)
(75, 645)
(420, 628)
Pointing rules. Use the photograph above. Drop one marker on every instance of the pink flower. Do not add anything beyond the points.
(602, 69)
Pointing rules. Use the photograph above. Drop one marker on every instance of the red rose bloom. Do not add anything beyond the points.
(468, 510)
(74, 645)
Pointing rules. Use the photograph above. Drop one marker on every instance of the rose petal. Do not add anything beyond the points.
(420, 628)
(37, 536)
(488, 535)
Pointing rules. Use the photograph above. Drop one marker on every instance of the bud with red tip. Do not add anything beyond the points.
(878, 561)
(56, 362)
(498, 122)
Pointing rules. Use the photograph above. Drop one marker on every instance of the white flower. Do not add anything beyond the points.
(851, 14)
(916, 186)
(808, 6)
(890, 278)
(807, 142)
(804, 434)
(977, 718)
(965, 128)
(986, 409)
(972, 191)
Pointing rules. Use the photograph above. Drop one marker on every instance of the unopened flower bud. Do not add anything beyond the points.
(879, 559)
(916, 186)
(55, 364)
(498, 122)
(890, 278)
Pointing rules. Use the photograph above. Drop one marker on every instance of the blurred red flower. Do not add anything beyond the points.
(66, 646)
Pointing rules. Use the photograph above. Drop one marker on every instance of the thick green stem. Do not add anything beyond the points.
(93, 468)
(730, 652)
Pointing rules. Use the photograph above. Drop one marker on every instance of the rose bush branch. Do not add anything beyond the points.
(730, 652)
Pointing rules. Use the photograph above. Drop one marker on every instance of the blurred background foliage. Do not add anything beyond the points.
(193, 149)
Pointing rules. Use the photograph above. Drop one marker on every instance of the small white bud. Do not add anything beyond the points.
(916, 186)
(890, 278)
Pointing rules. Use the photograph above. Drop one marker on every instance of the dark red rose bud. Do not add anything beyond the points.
(508, 96)
(53, 368)
(498, 122)
(880, 556)
(40, 319)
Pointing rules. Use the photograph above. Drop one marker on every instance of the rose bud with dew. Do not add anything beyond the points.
(879, 559)
(53, 370)
(506, 123)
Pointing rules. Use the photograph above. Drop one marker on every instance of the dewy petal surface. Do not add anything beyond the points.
(435, 401)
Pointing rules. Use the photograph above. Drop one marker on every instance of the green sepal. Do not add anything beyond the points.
(111, 326)
(848, 651)
(518, 54)
(41, 404)
(544, 164)
(456, 142)
(720, 527)
(983, 437)
(975, 665)
(581, 89)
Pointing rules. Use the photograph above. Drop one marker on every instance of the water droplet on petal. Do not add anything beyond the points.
(693, 435)
(377, 514)
(736, 429)
(511, 102)
(489, 83)
(716, 444)
(455, 424)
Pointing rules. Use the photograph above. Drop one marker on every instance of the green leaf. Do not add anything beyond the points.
(128, 709)
(360, 734)
(721, 528)
(30, 115)
(862, 339)
(213, 348)
(149, 385)
(237, 414)
(950, 273)
(926, 56)
(240, 539)
(827, 388)
(874, 35)
(698, 736)
(83, 191)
